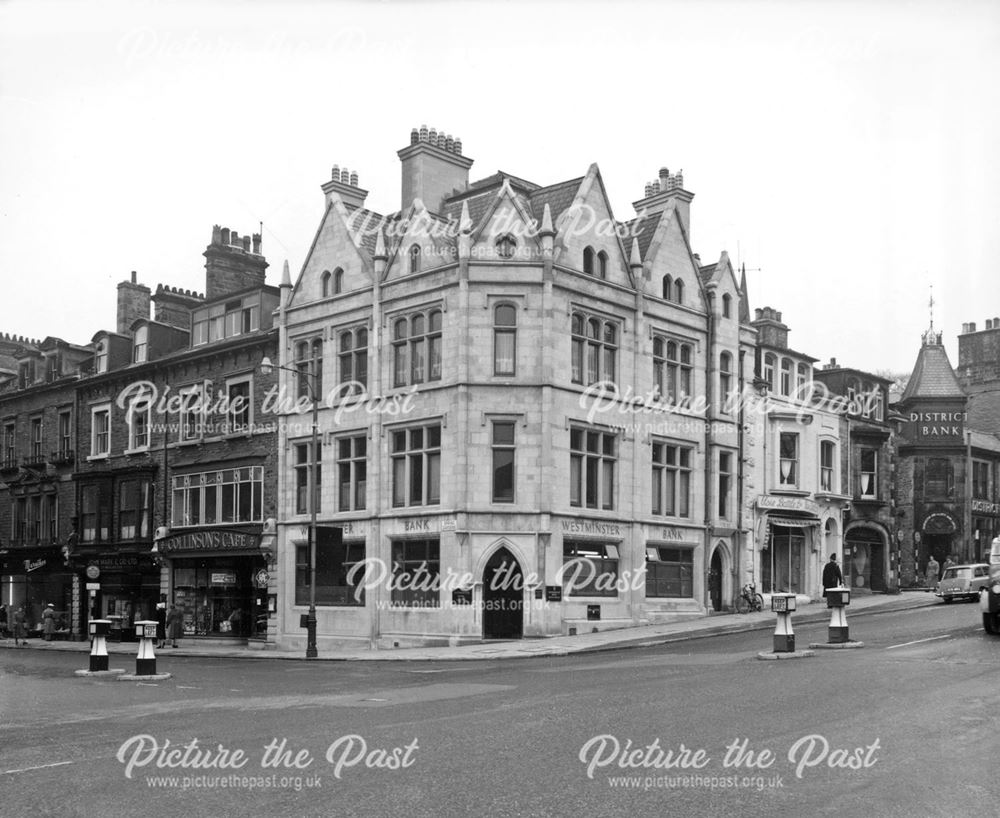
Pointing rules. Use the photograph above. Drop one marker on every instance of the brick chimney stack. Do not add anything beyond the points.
(770, 329)
(133, 304)
(433, 168)
(233, 263)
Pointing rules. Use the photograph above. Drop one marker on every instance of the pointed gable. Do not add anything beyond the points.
(335, 248)
(586, 233)
(669, 257)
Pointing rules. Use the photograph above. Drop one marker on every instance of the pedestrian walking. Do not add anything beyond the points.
(832, 577)
(48, 622)
(19, 632)
(3, 621)
(161, 621)
(948, 562)
(173, 623)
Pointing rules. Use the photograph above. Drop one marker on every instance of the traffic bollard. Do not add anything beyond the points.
(145, 659)
(99, 629)
(837, 600)
(784, 637)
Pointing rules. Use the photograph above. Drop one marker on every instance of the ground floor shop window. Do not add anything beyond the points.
(590, 569)
(214, 595)
(669, 572)
(783, 563)
(416, 573)
(334, 561)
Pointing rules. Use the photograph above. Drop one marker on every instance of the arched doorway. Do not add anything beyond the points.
(503, 597)
(715, 574)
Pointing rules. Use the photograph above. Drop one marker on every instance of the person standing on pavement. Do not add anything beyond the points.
(3, 621)
(161, 621)
(948, 562)
(173, 623)
(832, 577)
(19, 632)
(933, 572)
(48, 622)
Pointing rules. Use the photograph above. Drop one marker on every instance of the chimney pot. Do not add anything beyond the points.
(345, 177)
(777, 316)
(224, 235)
(433, 137)
(648, 191)
(354, 179)
(458, 146)
(246, 244)
(133, 276)
(972, 326)
(216, 234)
(664, 174)
(414, 136)
(449, 143)
(996, 323)
(335, 173)
(256, 243)
(423, 133)
(234, 238)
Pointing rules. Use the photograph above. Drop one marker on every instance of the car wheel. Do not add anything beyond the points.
(947, 600)
(988, 625)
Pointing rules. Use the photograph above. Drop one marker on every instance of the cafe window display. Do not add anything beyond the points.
(213, 596)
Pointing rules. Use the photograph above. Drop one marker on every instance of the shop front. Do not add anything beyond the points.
(122, 587)
(218, 580)
(789, 542)
(35, 577)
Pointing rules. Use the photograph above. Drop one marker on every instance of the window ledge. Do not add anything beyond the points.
(791, 492)
(140, 450)
(94, 457)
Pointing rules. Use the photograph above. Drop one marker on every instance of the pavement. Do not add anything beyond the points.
(623, 638)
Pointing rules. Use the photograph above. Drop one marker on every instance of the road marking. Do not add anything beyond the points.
(918, 641)
(39, 767)
(187, 687)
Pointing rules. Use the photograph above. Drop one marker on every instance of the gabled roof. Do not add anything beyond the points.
(932, 375)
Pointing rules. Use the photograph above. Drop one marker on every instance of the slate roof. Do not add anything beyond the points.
(366, 224)
(932, 375)
(642, 228)
(558, 197)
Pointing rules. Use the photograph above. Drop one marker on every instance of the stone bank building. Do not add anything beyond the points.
(512, 381)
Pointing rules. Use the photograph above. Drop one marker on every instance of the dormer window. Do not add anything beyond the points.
(26, 373)
(506, 246)
(53, 367)
(101, 357)
(140, 345)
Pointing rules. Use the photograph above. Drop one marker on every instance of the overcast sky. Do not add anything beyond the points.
(846, 152)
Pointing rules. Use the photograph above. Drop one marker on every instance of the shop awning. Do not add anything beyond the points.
(792, 522)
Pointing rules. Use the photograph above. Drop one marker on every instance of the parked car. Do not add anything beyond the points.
(989, 599)
(964, 581)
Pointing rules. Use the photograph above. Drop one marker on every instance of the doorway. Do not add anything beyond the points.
(715, 581)
(503, 597)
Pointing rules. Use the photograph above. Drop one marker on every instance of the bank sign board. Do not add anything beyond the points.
(930, 424)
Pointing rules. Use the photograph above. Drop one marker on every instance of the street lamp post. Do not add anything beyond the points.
(266, 368)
